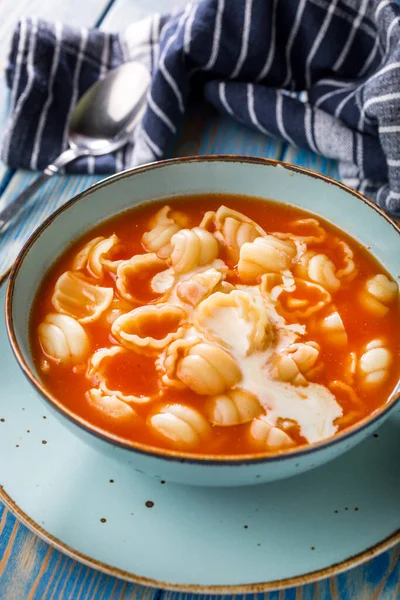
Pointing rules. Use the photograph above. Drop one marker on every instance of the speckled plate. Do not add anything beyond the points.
(195, 539)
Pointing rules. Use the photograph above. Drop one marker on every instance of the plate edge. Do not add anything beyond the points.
(245, 588)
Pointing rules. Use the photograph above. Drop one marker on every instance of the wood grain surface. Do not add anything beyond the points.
(29, 568)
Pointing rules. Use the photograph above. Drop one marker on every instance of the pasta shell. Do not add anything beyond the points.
(333, 330)
(63, 340)
(208, 370)
(317, 237)
(378, 294)
(204, 368)
(305, 355)
(163, 226)
(306, 299)
(180, 424)
(117, 308)
(76, 297)
(273, 437)
(374, 363)
(349, 270)
(134, 277)
(97, 374)
(149, 328)
(216, 314)
(297, 360)
(235, 229)
(350, 368)
(81, 259)
(192, 248)
(344, 390)
(224, 213)
(321, 270)
(265, 255)
(192, 291)
(233, 408)
(93, 256)
(273, 284)
(111, 406)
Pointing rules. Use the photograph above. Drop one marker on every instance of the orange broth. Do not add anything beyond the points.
(134, 373)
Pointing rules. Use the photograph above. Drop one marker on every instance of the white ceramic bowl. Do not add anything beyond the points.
(281, 182)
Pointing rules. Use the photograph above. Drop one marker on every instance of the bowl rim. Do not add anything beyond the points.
(153, 451)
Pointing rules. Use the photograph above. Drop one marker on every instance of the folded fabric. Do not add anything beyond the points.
(320, 74)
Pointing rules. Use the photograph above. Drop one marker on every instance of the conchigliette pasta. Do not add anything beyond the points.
(218, 325)
(75, 296)
(266, 254)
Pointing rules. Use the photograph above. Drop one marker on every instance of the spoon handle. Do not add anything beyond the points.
(11, 213)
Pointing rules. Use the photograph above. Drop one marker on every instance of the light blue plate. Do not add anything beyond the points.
(198, 539)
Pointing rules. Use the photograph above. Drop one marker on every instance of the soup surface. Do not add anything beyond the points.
(218, 324)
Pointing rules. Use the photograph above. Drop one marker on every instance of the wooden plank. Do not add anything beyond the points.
(308, 159)
(56, 192)
(32, 570)
(124, 12)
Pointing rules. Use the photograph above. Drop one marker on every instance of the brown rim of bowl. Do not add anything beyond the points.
(241, 588)
(173, 455)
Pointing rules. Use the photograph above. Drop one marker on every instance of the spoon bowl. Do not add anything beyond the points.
(110, 110)
(102, 122)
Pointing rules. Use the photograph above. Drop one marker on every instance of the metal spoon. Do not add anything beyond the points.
(102, 122)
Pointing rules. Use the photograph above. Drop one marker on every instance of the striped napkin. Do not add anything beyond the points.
(320, 74)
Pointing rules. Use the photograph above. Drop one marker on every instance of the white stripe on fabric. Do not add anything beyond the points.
(394, 65)
(251, 109)
(187, 36)
(370, 58)
(155, 29)
(104, 56)
(292, 36)
(346, 16)
(394, 195)
(75, 82)
(381, 6)
(389, 129)
(360, 155)
(378, 197)
(91, 164)
(351, 182)
(308, 127)
(390, 31)
(279, 118)
(222, 96)
(119, 160)
(271, 52)
(152, 145)
(245, 39)
(393, 162)
(379, 99)
(58, 29)
(159, 112)
(162, 66)
(322, 99)
(391, 67)
(356, 24)
(362, 187)
(318, 40)
(334, 83)
(217, 36)
(31, 78)
(20, 52)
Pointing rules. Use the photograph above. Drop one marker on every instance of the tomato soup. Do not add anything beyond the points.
(218, 324)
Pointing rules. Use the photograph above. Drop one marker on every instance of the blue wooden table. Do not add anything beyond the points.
(29, 568)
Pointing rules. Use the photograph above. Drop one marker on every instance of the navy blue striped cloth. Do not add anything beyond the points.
(322, 75)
